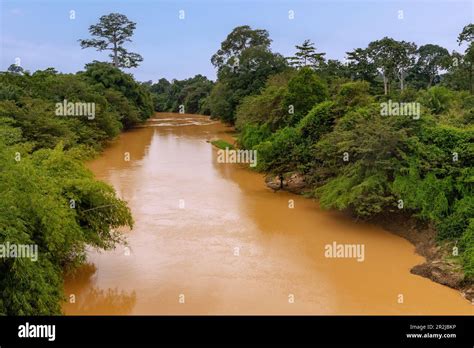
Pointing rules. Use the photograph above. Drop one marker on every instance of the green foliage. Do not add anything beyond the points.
(237, 41)
(265, 107)
(361, 65)
(109, 77)
(319, 120)
(307, 56)
(363, 190)
(190, 93)
(467, 250)
(392, 58)
(353, 157)
(431, 59)
(437, 99)
(111, 33)
(305, 90)
(460, 72)
(222, 144)
(221, 102)
(284, 151)
(29, 104)
(427, 196)
(359, 157)
(47, 197)
(35, 202)
(252, 135)
(453, 226)
(244, 64)
(353, 94)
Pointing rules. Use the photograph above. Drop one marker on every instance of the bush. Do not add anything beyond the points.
(365, 192)
(283, 152)
(222, 144)
(437, 99)
(319, 120)
(220, 103)
(467, 250)
(305, 90)
(265, 107)
(48, 198)
(252, 135)
(30, 190)
(452, 226)
(109, 77)
(353, 94)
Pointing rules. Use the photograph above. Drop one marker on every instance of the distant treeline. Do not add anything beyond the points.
(185, 96)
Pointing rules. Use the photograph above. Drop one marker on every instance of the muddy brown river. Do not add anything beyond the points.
(210, 238)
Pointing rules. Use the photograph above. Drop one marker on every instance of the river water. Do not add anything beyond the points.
(210, 238)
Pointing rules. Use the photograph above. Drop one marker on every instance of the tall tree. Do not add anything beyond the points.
(431, 59)
(467, 36)
(244, 62)
(112, 31)
(404, 60)
(306, 56)
(393, 59)
(360, 65)
(240, 39)
(16, 69)
(305, 89)
(381, 53)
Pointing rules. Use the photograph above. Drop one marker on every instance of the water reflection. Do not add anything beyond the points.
(85, 298)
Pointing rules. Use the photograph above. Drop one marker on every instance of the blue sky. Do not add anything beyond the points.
(42, 34)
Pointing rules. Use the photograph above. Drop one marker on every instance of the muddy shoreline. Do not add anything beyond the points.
(438, 267)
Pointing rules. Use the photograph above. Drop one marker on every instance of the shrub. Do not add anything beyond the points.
(283, 152)
(437, 99)
(318, 121)
(304, 90)
(252, 135)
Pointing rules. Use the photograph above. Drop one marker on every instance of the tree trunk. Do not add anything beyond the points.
(385, 89)
(470, 78)
(115, 55)
(114, 40)
(430, 81)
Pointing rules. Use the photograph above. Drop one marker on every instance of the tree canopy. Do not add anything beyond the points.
(111, 33)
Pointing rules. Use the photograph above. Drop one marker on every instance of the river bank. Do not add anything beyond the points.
(439, 265)
(210, 238)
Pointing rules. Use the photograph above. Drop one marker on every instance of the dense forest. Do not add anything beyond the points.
(390, 128)
(185, 96)
(308, 114)
(47, 196)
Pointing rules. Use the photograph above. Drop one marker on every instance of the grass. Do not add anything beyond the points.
(222, 144)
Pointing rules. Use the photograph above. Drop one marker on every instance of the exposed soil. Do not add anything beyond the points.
(440, 266)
